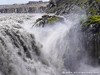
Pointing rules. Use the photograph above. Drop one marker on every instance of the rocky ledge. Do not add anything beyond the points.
(47, 20)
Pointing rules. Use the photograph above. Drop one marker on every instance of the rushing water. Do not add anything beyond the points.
(52, 50)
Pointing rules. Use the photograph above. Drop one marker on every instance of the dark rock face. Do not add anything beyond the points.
(46, 20)
(91, 29)
(66, 6)
(31, 7)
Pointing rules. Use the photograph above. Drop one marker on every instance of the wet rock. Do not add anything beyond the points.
(92, 24)
(66, 6)
(91, 29)
(47, 20)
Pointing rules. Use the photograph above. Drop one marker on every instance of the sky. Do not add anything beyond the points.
(17, 1)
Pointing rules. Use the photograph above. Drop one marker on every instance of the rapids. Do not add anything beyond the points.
(52, 50)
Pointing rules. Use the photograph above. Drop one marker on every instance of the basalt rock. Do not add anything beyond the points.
(47, 20)
(91, 29)
(66, 6)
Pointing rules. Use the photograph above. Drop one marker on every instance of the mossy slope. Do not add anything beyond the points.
(47, 20)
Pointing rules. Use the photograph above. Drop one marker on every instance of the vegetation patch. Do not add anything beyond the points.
(92, 23)
(53, 19)
(92, 20)
(46, 19)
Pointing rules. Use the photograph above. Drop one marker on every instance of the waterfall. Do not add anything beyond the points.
(52, 50)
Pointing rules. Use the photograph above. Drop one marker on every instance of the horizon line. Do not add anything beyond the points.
(22, 3)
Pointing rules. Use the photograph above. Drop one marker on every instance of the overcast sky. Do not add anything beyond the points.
(16, 1)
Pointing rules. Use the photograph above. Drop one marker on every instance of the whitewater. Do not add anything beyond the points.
(51, 50)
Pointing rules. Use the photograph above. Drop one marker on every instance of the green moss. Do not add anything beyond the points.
(47, 19)
(53, 19)
(92, 20)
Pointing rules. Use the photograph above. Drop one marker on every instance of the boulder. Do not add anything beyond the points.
(47, 20)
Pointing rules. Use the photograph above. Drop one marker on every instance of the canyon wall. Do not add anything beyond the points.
(91, 27)
(30, 7)
(66, 6)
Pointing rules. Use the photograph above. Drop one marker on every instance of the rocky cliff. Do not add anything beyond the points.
(31, 7)
(91, 28)
(66, 6)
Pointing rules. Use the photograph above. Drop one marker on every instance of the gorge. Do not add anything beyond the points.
(62, 41)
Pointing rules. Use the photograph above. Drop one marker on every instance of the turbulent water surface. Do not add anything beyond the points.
(51, 50)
